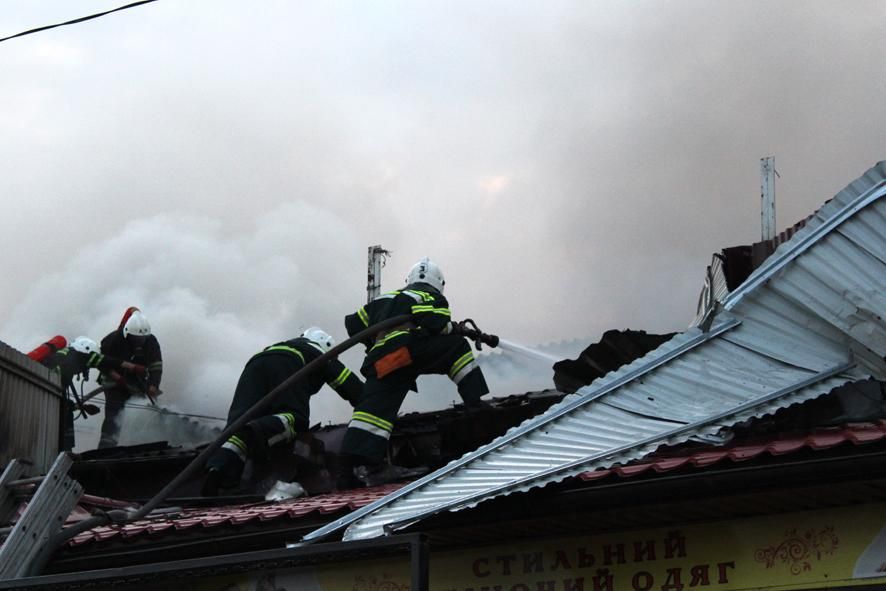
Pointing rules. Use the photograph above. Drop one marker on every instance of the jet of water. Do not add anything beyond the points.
(526, 351)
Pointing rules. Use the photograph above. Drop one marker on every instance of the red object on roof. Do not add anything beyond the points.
(48, 348)
(858, 433)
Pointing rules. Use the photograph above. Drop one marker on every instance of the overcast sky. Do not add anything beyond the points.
(572, 166)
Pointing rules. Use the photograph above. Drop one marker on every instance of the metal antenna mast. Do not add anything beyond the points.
(377, 258)
(767, 197)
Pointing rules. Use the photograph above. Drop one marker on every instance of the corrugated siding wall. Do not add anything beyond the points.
(30, 410)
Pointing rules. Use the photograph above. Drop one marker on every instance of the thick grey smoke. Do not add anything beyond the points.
(213, 297)
(572, 165)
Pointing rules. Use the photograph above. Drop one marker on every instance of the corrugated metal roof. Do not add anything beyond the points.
(189, 520)
(805, 322)
(30, 409)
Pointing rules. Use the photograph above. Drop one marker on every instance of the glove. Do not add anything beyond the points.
(463, 328)
(118, 378)
(153, 392)
(135, 368)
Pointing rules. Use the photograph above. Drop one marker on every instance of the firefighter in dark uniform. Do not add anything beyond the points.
(75, 360)
(288, 414)
(428, 344)
(132, 342)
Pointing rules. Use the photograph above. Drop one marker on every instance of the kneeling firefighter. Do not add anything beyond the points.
(288, 414)
(430, 343)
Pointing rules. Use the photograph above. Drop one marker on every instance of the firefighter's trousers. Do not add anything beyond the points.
(252, 441)
(115, 401)
(369, 430)
(287, 415)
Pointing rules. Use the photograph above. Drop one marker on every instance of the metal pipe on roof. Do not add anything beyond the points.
(121, 516)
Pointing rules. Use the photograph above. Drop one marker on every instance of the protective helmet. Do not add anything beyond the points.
(137, 325)
(426, 271)
(319, 336)
(84, 345)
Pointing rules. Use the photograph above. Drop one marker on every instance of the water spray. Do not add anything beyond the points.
(525, 351)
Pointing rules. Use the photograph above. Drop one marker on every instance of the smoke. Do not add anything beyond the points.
(572, 166)
(213, 297)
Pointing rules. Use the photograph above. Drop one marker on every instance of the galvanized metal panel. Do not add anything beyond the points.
(808, 316)
(30, 410)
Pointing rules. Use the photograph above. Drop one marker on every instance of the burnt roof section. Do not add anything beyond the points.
(740, 261)
(614, 349)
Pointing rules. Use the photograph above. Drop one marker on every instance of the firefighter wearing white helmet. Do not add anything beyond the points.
(426, 271)
(84, 345)
(288, 414)
(74, 361)
(137, 325)
(132, 342)
(427, 344)
(320, 337)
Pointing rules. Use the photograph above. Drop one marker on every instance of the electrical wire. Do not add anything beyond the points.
(161, 410)
(77, 20)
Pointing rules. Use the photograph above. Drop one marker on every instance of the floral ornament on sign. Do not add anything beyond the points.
(798, 551)
(373, 584)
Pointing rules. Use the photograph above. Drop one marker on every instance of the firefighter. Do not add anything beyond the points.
(288, 414)
(430, 343)
(75, 360)
(132, 342)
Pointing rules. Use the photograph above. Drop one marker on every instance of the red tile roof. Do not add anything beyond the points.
(240, 514)
(859, 434)
(324, 504)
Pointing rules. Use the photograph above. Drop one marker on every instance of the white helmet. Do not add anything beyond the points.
(319, 336)
(426, 271)
(137, 325)
(84, 345)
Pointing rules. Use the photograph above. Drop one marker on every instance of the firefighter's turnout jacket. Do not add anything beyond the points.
(288, 414)
(396, 357)
(144, 352)
(68, 362)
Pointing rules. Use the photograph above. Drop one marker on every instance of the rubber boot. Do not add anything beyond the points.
(344, 473)
(212, 483)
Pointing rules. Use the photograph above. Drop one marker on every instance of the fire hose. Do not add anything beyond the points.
(120, 516)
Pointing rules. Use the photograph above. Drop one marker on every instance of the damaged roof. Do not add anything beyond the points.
(233, 518)
(806, 321)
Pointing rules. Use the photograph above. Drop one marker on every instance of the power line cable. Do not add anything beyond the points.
(77, 20)
(161, 410)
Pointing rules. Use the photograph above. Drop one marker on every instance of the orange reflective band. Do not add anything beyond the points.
(392, 361)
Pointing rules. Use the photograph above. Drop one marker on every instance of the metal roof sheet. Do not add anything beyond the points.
(188, 520)
(806, 321)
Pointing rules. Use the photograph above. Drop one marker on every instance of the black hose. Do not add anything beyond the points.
(120, 516)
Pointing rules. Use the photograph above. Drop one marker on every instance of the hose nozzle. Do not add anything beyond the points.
(468, 328)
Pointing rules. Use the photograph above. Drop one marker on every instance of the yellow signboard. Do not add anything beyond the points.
(807, 550)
